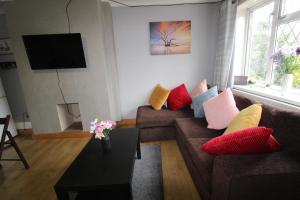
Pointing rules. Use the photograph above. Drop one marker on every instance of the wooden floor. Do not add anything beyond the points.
(49, 159)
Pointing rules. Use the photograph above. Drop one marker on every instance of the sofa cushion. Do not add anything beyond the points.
(247, 141)
(203, 188)
(148, 117)
(247, 118)
(157, 133)
(202, 160)
(200, 88)
(195, 128)
(179, 98)
(286, 126)
(220, 110)
(200, 99)
(158, 97)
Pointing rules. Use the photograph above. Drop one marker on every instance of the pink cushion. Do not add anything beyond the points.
(220, 110)
(202, 87)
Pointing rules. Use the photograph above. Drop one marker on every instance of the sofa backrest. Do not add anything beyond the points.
(286, 127)
(286, 124)
(242, 102)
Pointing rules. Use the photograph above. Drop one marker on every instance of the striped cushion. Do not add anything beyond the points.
(246, 141)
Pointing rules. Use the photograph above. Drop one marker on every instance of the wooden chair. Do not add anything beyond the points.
(10, 142)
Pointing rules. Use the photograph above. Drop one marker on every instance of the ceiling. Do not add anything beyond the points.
(134, 3)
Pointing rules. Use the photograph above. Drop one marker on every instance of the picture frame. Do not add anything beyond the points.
(170, 37)
(5, 46)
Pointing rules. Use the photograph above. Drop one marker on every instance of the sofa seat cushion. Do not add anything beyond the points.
(148, 117)
(202, 160)
(195, 128)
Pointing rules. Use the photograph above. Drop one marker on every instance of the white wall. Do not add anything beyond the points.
(11, 80)
(66, 120)
(139, 72)
(88, 87)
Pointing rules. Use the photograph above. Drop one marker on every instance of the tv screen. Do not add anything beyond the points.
(55, 51)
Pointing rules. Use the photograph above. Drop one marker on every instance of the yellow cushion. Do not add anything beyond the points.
(158, 97)
(247, 118)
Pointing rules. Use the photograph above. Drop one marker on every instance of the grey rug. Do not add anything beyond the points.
(147, 183)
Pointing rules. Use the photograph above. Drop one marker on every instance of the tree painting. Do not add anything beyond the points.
(170, 37)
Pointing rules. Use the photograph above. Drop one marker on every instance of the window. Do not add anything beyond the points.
(288, 38)
(289, 6)
(259, 34)
(268, 26)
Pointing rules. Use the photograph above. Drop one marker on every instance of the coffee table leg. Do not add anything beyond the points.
(61, 195)
(138, 150)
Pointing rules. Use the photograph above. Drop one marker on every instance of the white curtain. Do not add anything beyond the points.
(225, 45)
(111, 60)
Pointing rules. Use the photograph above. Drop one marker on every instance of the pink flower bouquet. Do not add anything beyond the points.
(102, 128)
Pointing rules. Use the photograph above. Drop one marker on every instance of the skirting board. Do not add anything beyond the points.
(125, 123)
(20, 125)
(27, 131)
(61, 135)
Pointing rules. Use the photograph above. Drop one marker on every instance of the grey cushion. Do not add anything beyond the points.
(200, 99)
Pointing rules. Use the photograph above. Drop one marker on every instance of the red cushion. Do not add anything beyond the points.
(179, 98)
(273, 144)
(246, 141)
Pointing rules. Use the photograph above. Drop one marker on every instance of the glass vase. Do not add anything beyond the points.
(106, 145)
(287, 84)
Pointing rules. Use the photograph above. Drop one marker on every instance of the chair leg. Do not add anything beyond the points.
(2, 146)
(14, 144)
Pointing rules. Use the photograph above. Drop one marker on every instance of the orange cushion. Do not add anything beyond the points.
(158, 97)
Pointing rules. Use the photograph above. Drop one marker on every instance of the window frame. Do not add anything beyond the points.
(278, 20)
(248, 33)
(293, 14)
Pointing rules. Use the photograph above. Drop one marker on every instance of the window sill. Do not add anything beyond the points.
(270, 93)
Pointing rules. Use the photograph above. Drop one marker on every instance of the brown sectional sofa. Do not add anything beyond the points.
(159, 125)
(271, 176)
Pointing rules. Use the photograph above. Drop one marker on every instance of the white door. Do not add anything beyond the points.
(4, 110)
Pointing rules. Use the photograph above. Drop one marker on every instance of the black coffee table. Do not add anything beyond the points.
(95, 174)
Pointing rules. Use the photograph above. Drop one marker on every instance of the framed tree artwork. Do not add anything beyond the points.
(5, 46)
(170, 37)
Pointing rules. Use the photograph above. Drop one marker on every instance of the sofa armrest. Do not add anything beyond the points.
(266, 176)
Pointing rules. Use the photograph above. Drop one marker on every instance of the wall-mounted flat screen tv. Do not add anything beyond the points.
(55, 51)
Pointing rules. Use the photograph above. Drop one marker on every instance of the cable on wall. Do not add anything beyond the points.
(64, 98)
(57, 74)
(67, 14)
